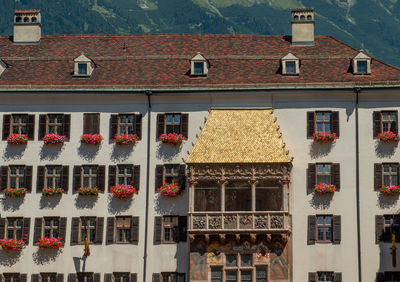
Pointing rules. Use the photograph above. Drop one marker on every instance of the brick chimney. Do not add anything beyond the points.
(303, 27)
(27, 27)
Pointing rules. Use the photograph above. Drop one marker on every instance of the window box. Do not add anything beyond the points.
(54, 139)
(50, 243)
(324, 137)
(390, 190)
(15, 193)
(172, 138)
(92, 139)
(169, 190)
(49, 191)
(123, 191)
(126, 139)
(88, 191)
(388, 137)
(323, 188)
(17, 139)
(12, 244)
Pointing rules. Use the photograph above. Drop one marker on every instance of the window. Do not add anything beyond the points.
(173, 277)
(11, 277)
(82, 69)
(123, 228)
(323, 173)
(216, 274)
(324, 228)
(323, 121)
(88, 228)
(325, 276)
(83, 66)
(261, 274)
(51, 227)
(84, 277)
(15, 228)
(238, 196)
(389, 121)
(362, 67)
(391, 225)
(89, 176)
(198, 67)
(170, 229)
(48, 277)
(55, 124)
(393, 276)
(361, 64)
(125, 174)
(126, 124)
(268, 197)
(53, 176)
(121, 277)
(207, 197)
(172, 173)
(290, 67)
(17, 177)
(390, 174)
(19, 124)
(87, 225)
(91, 123)
(172, 123)
(241, 266)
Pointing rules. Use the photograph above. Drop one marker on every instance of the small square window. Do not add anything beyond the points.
(199, 68)
(291, 67)
(82, 69)
(362, 67)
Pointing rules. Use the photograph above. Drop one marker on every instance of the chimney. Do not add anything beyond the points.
(303, 27)
(27, 27)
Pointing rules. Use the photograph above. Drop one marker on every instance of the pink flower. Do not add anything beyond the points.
(172, 138)
(388, 136)
(324, 137)
(89, 191)
(126, 139)
(123, 191)
(17, 139)
(12, 244)
(54, 139)
(93, 139)
(169, 189)
(323, 188)
(390, 190)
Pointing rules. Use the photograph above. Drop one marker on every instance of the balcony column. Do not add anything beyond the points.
(191, 197)
(223, 184)
(253, 195)
(285, 195)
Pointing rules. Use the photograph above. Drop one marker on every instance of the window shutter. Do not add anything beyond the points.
(182, 228)
(40, 178)
(99, 230)
(110, 230)
(337, 277)
(377, 176)
(30, 127)
(96, 277)
(67, 126)
(96, 123)
(42, 126)
(23, 277)
(182, 176)
(160, 124)
(107, 277)
(185, 125)
(112, 176)
(312, 277)
(4, 177)
(394, 127)
(312, 229)
(156, 277)
(376, 117)
(87, 124)
(135, 230)
(138, 125)
(312, 176)
(2, 227)
(337, 233)
(91, 123)
(133, 277)
(336, 176)
(26, 228)
(379, 228)
(335, 123)
(63, 228)
(65, 178)
(136, 177)
(60, 277)
(380, 277)
(37, 231)
(6, 126)
(77, 177)
(28, 178)
(72, 277)
(157, 230)
(310, 124)
(159, 176)
(35, 277)
(101, 177)
(75, 230)
(113, 126)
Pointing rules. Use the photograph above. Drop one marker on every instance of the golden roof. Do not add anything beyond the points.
(239, 136)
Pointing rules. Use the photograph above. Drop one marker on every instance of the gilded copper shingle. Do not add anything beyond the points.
(240, 136)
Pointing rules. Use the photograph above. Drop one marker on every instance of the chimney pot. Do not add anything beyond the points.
(27, 27)
(303, 27)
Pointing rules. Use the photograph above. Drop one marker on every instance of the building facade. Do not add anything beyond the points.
(264, 121)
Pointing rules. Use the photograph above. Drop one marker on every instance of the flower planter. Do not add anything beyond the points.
(54, 139)
(91, 139)
(50, 243)
(15, 193)
(323, 188)
(17, 139)
(390, 190)
(388, 137)
(324, 137)
(169, 190)
(172, 139)
(123, 192)
(88, 191)
(48, 192)
(126, 139)
(12, 244)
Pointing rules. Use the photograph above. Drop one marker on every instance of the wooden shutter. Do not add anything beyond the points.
(182, 228)
(6, 126)
(108, 277)
(156, 277)
(185, 125)
(35, 277)
(65, 178)
(28, 178)
(312, 229)
(335, 176)
(101, 177)
(72, 277)
(30, 127)
(99, 230)
(157, 230)
(337, 277)
(160, 124)
(40, 178)
(67, 126)
(112, 176)
(310, 124)
(75, 231)
(23, 277)
(337, 233)
(60, 277)
(379, 228)
(395, 123)
(380, 277)
(37, 230)
(26, 228)
(138, 125)
(133, 277)
(312, 176)
(42, 126)
(312, 277)
(110, 230)
(377, 122)
(159, 176)
(113, 126)
(135, 230)
(377, 176)
(182, 176)
(91, 123)
(4, 177)
(2, 227)
(63, 228)
(96, 277)
(77, 177)
(136, 177)
(335, 123)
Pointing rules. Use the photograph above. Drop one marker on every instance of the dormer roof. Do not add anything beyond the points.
(3, 66)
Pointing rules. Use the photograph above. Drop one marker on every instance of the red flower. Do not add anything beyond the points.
(388, 136)
(126, 139)
(123, 191)
(324, 137)
(50, 243)
(172, 138)
(169, 190)
(323, 188)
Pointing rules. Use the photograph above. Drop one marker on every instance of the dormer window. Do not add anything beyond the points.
(83, 66)
(361, 64)
(290, 65)
(198, 66)
(3, 67)
(82, 69)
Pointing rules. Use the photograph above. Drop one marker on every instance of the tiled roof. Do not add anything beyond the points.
(162, 61)
(239, 136)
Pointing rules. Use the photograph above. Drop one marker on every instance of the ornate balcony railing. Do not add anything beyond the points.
(239, 222)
